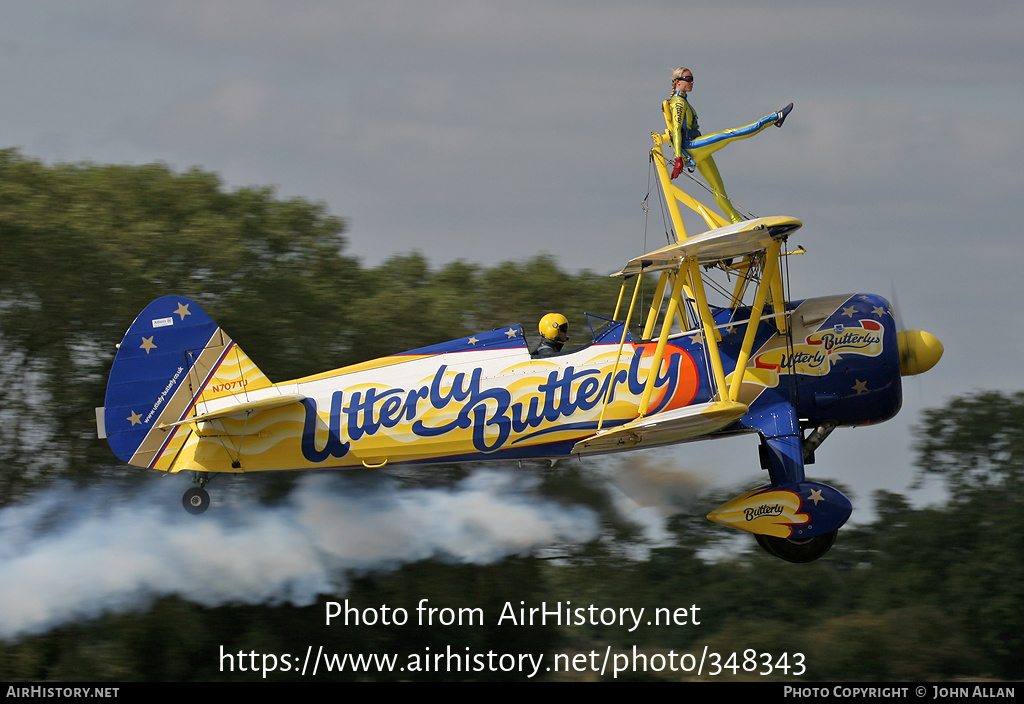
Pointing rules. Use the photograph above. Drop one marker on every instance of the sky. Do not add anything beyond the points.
(491, 131)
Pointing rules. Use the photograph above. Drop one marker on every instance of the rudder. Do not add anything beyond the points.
(172, 360)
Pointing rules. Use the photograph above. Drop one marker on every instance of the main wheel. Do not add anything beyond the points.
(797, 550)
(196, 501)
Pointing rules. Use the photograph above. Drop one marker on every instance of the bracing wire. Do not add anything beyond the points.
(715, 193)
(670, 236)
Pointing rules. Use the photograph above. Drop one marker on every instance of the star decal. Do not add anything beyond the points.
(697, 338)
(511, 332)
(182, 310)
(878, 310)
(147, 344)
(860, 387)
(135, 418)
(815, 496)
(472, 340)
(849, 311)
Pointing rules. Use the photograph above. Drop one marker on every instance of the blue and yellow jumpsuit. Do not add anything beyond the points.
(688, 141)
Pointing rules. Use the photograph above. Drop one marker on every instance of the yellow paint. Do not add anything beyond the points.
(762, 512)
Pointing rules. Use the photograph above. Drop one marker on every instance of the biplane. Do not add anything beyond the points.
(183, 397)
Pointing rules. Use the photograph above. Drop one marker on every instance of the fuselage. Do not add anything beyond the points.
(485, 397)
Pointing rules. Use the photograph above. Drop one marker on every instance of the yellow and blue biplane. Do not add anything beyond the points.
(183, 397)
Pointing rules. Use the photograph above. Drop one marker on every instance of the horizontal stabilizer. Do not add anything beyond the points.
(242, 408)
(678, 425)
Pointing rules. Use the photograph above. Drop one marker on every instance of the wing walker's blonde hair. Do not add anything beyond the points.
(678, 73)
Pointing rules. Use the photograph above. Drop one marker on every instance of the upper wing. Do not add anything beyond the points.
(727, 242)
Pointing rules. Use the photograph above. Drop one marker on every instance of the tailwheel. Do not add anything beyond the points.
(196, 500)
(798, 549)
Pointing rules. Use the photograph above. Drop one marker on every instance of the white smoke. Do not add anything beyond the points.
(65, 558)
(647, 489)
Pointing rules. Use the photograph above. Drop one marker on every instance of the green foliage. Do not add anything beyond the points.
(86, 247)
(975, 440)
(915, 643)
(405, 305)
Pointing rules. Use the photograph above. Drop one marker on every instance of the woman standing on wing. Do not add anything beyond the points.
(693, 149)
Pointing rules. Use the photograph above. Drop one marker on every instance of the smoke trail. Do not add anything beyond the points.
(647, 489)
(61, 561)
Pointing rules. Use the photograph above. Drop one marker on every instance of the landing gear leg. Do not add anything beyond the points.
(807, 513)
(783, 453)
(196, 500)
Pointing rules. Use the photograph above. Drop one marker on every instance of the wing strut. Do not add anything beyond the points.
(675, 195)
(622, 340)
(681, 265)
(768, 276)
(708, 324)
(659, 352)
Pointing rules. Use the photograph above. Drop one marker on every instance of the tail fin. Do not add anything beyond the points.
(171, 362)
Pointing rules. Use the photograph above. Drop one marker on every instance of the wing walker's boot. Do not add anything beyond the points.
(782, 114)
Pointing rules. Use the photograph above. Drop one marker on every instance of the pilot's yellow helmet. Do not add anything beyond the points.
(551, 323)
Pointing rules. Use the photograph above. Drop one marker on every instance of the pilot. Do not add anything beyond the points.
(693, 149)
(554, 329)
